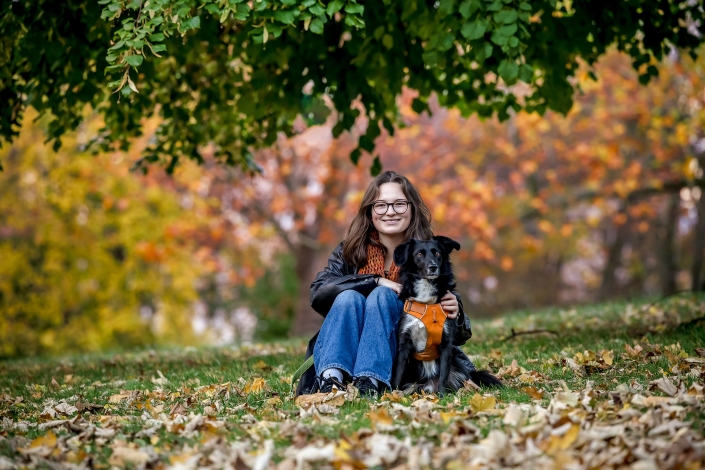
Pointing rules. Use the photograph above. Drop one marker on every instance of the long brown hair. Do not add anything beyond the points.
(355, 245)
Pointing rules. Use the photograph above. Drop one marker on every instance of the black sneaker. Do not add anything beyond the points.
(325, 384)
(366, 388)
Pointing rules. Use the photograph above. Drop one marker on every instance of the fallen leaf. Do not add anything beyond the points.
(534, 393)
(510, 371)
(380, 416)
(607, 356)
(127, 455)
(256, 386)
(161, 380)
(665, 385)
(54, 383)
(479, 403)
(273, 402)
(695, 360)
(564, 439)
(332, 399)
(66, 409)
(700, 352)
(118, 397)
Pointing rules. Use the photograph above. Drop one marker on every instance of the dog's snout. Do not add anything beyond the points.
(433, 268)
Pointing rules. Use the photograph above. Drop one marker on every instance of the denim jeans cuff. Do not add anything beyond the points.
(337, 366)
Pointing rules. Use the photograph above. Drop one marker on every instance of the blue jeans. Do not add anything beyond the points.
(358, 335)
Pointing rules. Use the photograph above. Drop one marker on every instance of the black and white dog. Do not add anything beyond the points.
(425, 276)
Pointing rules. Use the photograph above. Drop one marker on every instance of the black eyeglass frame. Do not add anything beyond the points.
(387, 204)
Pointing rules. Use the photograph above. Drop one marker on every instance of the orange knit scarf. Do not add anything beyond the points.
(375, 261)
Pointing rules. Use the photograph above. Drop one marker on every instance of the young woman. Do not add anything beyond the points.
(357, 293)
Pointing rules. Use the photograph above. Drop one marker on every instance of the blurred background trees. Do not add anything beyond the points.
(605, 202)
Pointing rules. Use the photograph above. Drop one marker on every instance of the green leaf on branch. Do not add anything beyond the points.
(508, 70)
(134, 60)
(354, 8)
(316, 26)
(376, 167)
(526, 73)
(474, 30)
(334, 7)
(495, 6)
(506, 16)
(468, 7)
(508, 30)
(189, 24)
(287, 16)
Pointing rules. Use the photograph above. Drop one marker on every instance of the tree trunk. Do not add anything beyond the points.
(306, 320)
(699, 248)
(608, 288)
(668, 255)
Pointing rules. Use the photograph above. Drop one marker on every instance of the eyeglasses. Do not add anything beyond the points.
(399, 207)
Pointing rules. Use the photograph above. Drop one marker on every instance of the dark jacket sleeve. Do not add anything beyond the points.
(464, 332)
(335, 278)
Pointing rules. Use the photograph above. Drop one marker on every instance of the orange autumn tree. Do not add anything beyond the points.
(530, 196)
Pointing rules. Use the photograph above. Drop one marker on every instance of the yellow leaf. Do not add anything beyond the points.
(47, 440)
(380, 417)
(563, 442)
(608, 357)
(257, 385)
(479, 403)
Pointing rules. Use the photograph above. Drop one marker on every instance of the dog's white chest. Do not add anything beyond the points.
(426, 293)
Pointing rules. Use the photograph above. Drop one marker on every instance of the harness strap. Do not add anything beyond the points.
(433, 318)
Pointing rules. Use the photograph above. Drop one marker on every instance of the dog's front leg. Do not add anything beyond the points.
(402, 358)
(444, 368)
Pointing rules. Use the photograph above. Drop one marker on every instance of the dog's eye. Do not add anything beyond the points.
(419, 255)
(437, 254)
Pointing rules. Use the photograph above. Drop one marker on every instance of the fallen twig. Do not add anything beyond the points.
(527, 332)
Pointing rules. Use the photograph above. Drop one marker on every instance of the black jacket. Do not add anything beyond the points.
(339, 276)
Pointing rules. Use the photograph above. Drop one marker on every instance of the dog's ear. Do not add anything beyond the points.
(401, 252)
(448, 244)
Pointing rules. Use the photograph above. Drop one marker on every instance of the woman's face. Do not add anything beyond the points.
(390, 222)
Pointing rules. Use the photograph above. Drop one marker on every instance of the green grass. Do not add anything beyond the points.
(28, 386)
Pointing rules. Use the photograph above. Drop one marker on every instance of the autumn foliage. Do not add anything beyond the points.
(603, 202)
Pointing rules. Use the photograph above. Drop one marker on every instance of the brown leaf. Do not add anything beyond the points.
(700, 352)
(333, 399)
(54, 383)
(534, 393)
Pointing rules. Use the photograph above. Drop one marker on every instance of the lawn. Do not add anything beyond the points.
(615, 385)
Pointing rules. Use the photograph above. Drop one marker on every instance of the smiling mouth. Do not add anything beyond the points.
(391, 220)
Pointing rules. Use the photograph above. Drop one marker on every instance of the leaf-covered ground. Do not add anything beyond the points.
(619, 386)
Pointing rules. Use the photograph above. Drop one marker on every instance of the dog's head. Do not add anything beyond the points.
(428, 258)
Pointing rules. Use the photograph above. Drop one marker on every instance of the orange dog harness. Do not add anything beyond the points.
(433, 318)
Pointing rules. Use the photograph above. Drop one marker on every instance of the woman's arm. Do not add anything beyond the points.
(335, 278)
(464, 332)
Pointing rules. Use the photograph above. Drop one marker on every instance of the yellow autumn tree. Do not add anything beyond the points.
(92, 256)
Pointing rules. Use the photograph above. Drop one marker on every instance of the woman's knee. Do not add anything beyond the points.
(383, 293)
(349, 301)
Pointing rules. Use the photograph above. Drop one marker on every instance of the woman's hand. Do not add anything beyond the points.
(450, 305)
(396, 287)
